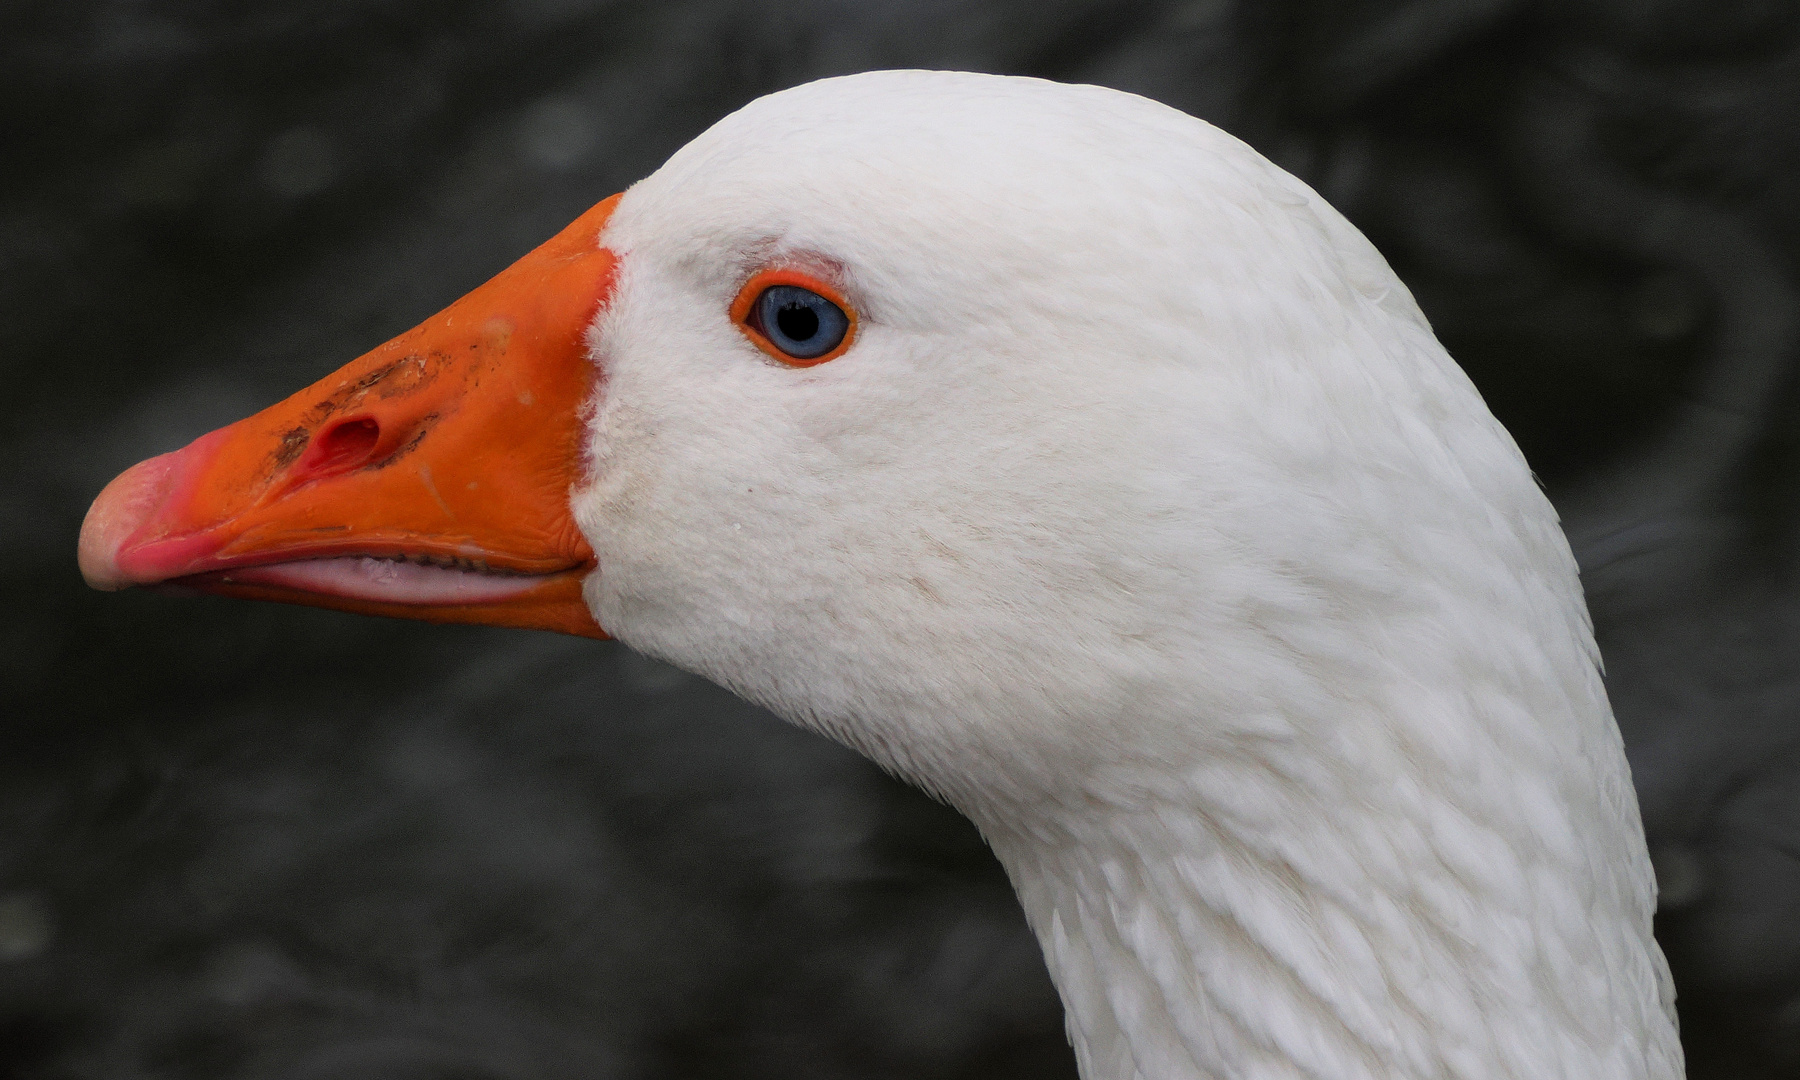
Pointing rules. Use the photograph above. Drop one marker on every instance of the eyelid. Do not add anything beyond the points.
(745, 304)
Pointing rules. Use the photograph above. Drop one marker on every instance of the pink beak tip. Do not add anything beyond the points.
(122, 509)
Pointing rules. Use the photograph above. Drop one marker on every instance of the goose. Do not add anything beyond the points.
(1063, 455)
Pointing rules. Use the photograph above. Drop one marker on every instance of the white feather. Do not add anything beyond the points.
(1148, 524)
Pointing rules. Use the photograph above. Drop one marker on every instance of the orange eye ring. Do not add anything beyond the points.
(743, 311)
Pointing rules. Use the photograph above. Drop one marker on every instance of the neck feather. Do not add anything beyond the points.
(1223, 928)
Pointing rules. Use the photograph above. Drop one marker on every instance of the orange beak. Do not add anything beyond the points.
(428, 479)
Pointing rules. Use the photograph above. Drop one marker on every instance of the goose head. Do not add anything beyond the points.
(1066, 457)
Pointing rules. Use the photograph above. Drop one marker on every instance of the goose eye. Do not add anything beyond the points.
(799, 322)
(795, 317)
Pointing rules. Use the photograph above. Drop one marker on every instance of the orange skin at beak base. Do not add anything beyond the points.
(453, 447)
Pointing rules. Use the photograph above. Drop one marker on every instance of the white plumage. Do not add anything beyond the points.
(1148, 524)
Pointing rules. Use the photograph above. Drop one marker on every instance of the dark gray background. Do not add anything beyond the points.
(250, 841)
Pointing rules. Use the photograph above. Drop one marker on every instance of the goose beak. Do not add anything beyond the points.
(428, 479)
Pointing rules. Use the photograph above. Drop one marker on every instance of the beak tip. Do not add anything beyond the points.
(122, 509)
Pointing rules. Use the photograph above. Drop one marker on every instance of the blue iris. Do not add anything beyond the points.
(800, 322)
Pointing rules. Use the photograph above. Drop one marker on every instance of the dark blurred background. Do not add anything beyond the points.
(263, 842)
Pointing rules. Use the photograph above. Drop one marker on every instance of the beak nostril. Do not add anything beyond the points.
(344, 445)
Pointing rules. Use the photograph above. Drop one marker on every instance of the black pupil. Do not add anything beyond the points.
(797, 321)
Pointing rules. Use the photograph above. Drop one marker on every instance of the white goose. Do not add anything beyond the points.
(1137, 513)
